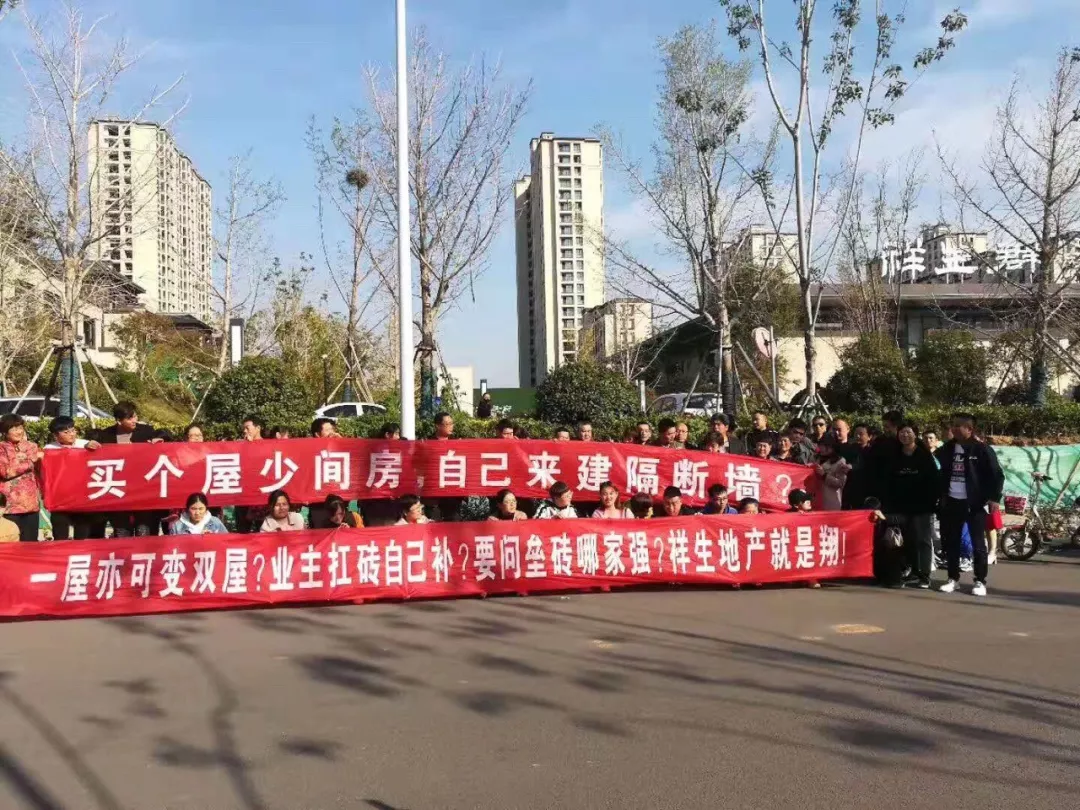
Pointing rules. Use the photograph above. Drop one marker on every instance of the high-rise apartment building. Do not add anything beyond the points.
(938, 255)
(559, 218)
(152, 211)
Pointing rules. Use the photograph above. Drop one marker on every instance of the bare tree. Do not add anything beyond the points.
(875, 243)
(696, 193)
(1029, 196)
(243, 257)
(870, 87)
(6, 6)
(343, 161)
(72, 74)
(27, 323)
(462, 123)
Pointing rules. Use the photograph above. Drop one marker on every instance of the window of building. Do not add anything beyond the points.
(577, 148)
(564, 147)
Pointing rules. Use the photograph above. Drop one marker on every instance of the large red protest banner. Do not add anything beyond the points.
(161, 476)
(162, 574)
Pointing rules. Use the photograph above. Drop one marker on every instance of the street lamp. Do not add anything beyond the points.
(405, 316)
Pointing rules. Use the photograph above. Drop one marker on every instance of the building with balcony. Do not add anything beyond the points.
(559, 222)
(151, 215)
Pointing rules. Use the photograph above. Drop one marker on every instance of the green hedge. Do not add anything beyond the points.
(1056, 420)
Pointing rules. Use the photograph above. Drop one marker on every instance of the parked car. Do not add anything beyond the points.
(346, 410)
(689, 404)
(30, 408)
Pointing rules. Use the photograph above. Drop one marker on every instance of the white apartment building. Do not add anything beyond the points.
(559, 223)
(1018, 263)
(762, 247)
(154, 212)
(613, 328)
(938, 255)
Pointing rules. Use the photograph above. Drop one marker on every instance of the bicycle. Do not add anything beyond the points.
(1041, 527)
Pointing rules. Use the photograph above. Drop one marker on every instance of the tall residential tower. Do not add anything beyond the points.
(559, 219)
(152, 210)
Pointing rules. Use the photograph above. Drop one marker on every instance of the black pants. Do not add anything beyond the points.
(82, 526)
(918, 542)
(954, 515)
(28, 525)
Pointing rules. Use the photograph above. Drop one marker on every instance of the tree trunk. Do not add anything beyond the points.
(427, 343)
(1040, 372)
(809, 349)
(809, 337)
(726, 366)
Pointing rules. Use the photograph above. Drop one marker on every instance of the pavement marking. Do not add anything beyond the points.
(601, 644)
(1020, 635)
(856, 629)
(811, 638)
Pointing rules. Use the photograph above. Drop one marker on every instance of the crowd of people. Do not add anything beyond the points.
(922, 491)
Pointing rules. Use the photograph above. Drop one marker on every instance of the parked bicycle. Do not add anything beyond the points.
(1055, 527)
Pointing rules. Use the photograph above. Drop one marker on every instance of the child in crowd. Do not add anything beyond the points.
(800, 501)
(65, 436)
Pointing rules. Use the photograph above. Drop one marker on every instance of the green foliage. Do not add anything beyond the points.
(873, 377)
(263, 386)
(951, 368)
(584, 391)
(1059, 419)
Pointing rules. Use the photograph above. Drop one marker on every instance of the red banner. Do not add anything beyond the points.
(434, 560)
(137, 477)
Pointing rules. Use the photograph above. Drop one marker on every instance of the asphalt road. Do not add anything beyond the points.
(844, 697)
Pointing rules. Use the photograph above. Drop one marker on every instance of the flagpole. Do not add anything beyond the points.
(405, 317)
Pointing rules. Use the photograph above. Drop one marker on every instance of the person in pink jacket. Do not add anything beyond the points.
(19, 458)
(833, 472)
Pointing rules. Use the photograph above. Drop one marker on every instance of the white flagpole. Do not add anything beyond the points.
(405, 316)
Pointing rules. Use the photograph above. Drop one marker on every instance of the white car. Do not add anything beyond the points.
(689, 404)
(346, 410)
(30, 408)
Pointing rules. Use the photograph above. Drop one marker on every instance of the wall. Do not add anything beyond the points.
(827, 362)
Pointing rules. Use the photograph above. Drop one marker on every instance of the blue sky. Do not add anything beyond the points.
(257, 70)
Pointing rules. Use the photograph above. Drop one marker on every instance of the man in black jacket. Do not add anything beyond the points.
(128, 430)
(970, 486)
(760, 432)
(722, 424)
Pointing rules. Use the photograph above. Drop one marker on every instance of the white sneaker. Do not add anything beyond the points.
(978, 589)
(950, 586)
(966, 565)
(992, 559)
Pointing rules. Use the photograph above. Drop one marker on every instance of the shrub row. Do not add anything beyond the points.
(1058, 420)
